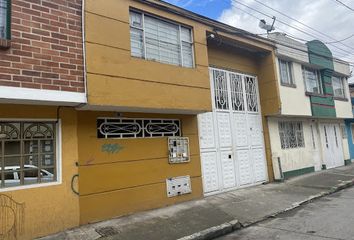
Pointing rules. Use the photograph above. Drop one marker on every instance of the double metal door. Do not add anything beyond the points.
(331, 145)
(231, 137)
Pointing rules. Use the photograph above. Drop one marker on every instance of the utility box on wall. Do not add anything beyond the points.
(178, 186)
(178, 148)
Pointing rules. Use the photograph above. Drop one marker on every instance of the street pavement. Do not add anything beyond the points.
(190, 220)
(331, 217)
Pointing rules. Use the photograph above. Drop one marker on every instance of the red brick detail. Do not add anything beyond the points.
(45, 51)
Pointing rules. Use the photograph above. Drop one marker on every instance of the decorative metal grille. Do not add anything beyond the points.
(27, 153)
(137, 128)
(291, 135)
(237, 97)
(220, 90)
(251, 94)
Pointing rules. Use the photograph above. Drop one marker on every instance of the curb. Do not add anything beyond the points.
(229, 227)
(214, 232)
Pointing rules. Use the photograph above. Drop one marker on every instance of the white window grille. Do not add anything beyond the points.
(291, 135)
(27, 153)
(220, 90)
(137, 128)
(3, 18)
(160, 40)
(285, 71)
(237, 96)
(312, 80)
(234, 91)
(338, 86)
(251, 94)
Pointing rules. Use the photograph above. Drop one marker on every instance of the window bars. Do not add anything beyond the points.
(243, 91)
(137, 128)
(291, 135)
(27, 153)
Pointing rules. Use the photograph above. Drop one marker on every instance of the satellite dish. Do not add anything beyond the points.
(268, 27)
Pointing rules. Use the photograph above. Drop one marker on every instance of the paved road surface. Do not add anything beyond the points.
(331, 217)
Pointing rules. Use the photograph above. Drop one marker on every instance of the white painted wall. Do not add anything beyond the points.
(341, 67)
(293, 100)
(344, 108)
(296, 158)
(297, 50)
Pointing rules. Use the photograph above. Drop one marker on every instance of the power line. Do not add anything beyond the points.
(303, 24)
(284, 23)
(345, 5)
(341, 40)
(299, 49)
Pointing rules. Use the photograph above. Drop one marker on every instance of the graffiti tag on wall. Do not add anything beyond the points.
(111, 148)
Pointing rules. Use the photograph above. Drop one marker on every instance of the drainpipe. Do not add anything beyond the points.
(280, 170)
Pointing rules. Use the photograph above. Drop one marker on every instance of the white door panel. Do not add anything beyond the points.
(210, 171)
(255, 125)
(240, 129)
(206, 130)
(228, 169)
(223, 123)
(259, 164)
(245, 167)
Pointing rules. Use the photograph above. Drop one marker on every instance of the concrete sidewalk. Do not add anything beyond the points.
(216, 215)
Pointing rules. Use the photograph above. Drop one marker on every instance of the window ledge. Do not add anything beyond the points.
(5, 44)
(341, 99)
(291, 85)
(30, 186)
(314, 94)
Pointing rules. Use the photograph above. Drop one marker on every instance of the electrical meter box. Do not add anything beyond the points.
(178, 148)
(178, 186)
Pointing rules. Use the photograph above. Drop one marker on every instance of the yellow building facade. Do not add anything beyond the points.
(113, 153)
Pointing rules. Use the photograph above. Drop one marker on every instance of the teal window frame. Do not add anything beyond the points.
(8, 20)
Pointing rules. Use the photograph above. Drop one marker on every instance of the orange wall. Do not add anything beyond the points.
(53, 208)
(115, 78)
(133, 179)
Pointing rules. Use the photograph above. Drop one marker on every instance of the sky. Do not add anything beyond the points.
(330, 21)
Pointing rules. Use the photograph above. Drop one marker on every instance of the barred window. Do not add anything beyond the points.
(27, 153)
(158, 40)
(5, 6)
(291, 135)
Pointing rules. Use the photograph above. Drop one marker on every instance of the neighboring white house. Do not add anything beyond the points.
(307, 135)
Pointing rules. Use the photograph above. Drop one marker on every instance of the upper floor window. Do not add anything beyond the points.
(27, 153)
(285, 71)
(158, 40)
(338, 86)
(312, 80)
(5, 6)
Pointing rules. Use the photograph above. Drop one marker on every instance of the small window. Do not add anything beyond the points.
(291, 135)
(27, 154)
(338, 86)
(162, 41)
(285, 71)
(312, 80)
(5, 9)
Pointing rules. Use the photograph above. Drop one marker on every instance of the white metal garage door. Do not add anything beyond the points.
(331, 145)
(231, 137)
